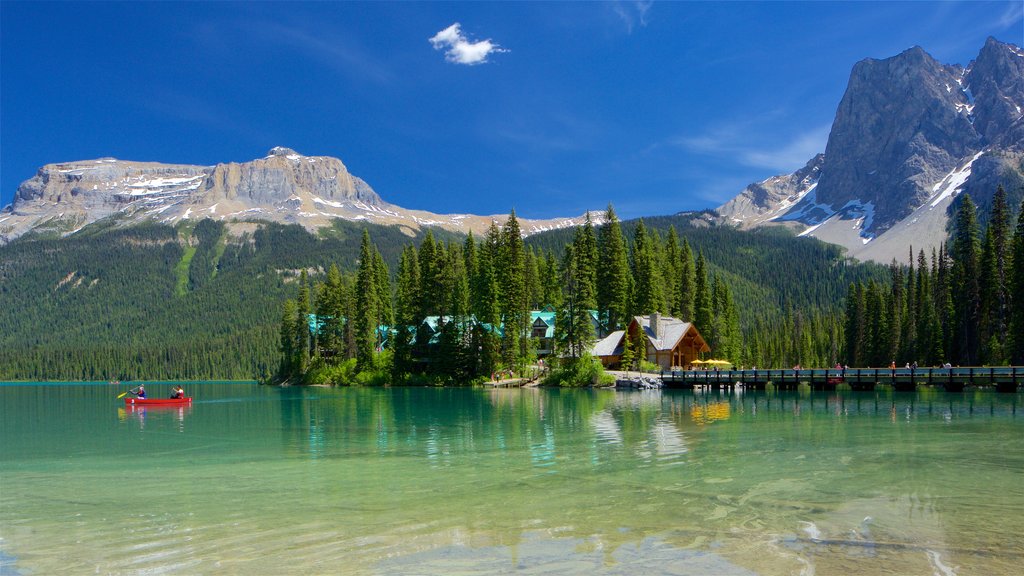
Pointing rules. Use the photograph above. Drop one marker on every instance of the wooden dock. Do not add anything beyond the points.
(1002, 378)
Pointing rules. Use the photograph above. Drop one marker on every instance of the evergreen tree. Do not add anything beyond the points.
(894, 312)
(366, 305)
(486, 307)
(289, 354)
(303, 341)
(670, 274)
(1017, 293)
(855, 325)
(995, 287)
(406, 313)
(535, 293)
(574, 332)
(687, 282)
(382, 279)
(551, 285)
(701, 297)
(512, 293)
(909, 335)
(330, 312)
(647, 297)
(613, 273)
(966, 287)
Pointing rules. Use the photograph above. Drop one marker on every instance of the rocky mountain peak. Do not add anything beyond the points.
(909, 135)
(284, 186)
(995, 80)
(282, 151)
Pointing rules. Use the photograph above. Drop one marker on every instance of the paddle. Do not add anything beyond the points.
(123, 394)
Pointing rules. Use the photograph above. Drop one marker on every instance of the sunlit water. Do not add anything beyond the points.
(255, 480)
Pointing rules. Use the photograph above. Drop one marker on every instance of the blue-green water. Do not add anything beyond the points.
(259, 480)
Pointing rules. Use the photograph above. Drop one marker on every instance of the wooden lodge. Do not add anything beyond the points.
(669, 342)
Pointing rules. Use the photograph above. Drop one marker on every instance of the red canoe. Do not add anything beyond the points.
(130, 401)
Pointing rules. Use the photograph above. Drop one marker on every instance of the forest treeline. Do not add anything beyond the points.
(962, 305)
(200, 301)
(458, 311)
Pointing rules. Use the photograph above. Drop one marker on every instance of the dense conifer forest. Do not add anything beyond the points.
(961, 305)
(195, 302)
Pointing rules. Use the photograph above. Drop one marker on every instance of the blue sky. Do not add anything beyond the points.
(548, 108)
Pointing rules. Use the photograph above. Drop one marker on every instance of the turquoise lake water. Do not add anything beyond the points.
(257, 480)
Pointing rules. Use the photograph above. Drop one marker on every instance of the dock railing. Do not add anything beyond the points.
(1004, 378)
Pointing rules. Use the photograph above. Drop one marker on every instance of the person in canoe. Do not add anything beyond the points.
(177, 392)
(140, 392)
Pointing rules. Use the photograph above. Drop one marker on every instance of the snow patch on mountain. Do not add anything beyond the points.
(953, 182)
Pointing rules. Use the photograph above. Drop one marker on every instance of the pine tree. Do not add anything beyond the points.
(701, 297)
(909, 335)
(1017, 293)
(303, 340)
(670, 273)
(406, 313)
(613, 273)
(511, 290)
(894, 312)
(966, 287)
(647, 297)
(687, 282)
(574, 332)
(995, 287)
(533, 287)
(382, 279)
(855, 325)
(366, 305)
(485, 304)
(289, 355)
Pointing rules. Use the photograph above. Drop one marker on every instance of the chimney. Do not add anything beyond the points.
(655, 324)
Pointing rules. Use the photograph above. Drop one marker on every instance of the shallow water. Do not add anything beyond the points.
(261, 480)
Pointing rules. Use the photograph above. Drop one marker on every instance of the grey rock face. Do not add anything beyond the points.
(996, 80)
(901, 126)
(284, 186)
(909, 135)
(772, 198)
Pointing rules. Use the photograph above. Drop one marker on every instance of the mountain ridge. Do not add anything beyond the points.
(283, 186)
(910, 134)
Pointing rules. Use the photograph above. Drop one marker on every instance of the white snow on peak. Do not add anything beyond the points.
(293, 157)
(951, 184)
(319, 200)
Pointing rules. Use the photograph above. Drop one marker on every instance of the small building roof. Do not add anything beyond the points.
(670, 332)
(610, 345)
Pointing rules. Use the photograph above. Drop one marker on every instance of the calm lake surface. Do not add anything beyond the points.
(257, 480)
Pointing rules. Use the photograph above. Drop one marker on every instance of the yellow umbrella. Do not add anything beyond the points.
(718, 362)
(697, 362)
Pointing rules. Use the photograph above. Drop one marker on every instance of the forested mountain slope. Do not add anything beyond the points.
(154, 301)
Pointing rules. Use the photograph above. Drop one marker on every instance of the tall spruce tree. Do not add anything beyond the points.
(966, 285)
(995, 287)
(687, 281)
(303, 339)
(512, 291)
(366, 305)
(702, 310)
(1017, 293)
(647, 297)
(613, 273)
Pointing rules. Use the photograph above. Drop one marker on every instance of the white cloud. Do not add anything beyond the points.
(734, 142)
(459, 50)
(1013, 13)
(632, 13)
